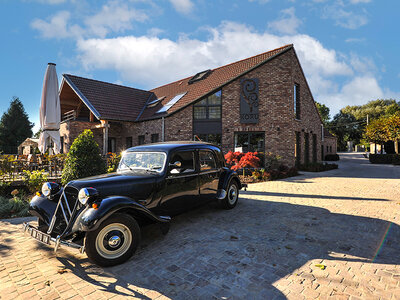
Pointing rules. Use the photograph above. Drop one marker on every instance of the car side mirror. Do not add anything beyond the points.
(176, 165)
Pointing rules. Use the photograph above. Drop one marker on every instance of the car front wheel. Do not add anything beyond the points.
(114, 242)
(232, 196)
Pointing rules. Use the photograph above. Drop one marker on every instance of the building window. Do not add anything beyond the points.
(212, 138)
(330, 148)
(327, 149)
(128, 142)
(154, 138)
(112, 145)
(249, 142)
(296, 96)
(140, 139)
(208, 108)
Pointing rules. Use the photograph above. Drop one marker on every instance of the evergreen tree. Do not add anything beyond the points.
(15, 127)
(83, 159)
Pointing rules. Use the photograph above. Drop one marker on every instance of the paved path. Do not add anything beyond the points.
(267, 247)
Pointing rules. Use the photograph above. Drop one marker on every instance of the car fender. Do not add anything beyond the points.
(225, 179)
(43, 208)
(91, 218)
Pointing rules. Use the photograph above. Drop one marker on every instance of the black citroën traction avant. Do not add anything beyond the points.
(101, 215)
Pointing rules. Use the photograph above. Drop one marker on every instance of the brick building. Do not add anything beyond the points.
(262, 103)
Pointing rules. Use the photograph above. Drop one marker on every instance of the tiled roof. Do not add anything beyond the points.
(112, 101)
(217, 78)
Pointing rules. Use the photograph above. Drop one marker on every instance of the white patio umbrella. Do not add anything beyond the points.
(50, 112)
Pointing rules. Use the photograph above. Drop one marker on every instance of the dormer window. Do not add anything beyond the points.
(199, 76)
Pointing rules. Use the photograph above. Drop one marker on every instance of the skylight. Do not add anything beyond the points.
(199, 76)
(170, 103)
(155, 102)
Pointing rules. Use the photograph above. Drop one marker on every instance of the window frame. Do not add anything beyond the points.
(207, 107)
(215, 161)
(296, 101)
(142, 136)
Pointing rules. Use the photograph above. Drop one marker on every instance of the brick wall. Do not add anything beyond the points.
(70, 130)
(330, 145)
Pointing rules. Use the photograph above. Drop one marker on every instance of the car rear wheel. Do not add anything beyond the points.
(232, 196)
(114, 242)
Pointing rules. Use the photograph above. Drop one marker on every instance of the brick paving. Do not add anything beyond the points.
(346, 221)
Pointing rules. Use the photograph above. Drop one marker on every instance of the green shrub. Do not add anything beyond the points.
(34, 180)
(317, 167)
(14, 207)
(5, 188)
(384, 159)
(332, 157)
(83, 159)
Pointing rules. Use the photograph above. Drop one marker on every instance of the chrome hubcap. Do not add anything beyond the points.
(114, 241)
(232, 194)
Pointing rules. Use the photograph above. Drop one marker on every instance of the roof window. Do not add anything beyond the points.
(199, 76)
(155, 102)
(170, 103)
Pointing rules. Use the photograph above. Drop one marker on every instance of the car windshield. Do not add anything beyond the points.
(149, 161)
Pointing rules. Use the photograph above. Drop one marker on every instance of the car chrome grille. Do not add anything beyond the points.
(66, 209)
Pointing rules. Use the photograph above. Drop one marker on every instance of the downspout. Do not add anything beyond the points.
(162, 129)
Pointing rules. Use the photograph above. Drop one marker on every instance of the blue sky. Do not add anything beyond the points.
(348, 48)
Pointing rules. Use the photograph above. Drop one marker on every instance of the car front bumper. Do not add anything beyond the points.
(46, 239)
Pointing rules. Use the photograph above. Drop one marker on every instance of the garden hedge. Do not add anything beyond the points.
(385, 159)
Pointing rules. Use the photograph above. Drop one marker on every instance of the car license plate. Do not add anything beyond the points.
(40, 236)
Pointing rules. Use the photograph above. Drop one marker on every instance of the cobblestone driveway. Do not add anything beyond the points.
(267, 247)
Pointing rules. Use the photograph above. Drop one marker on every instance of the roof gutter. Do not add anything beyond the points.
(81, 96)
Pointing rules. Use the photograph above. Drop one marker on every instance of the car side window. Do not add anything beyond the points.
(186, 158)
(207, 161)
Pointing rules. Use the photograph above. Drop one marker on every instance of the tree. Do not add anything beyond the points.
(393, 128)
(83, 159)
(346, 128)
(323, 112)
(374, 109)
(15, 127)
(376, 131)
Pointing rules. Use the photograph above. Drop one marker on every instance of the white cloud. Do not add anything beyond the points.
(357, 91)
(344, 17)
(151, 61)
(115, 16)
(183, 6)
(57, 27)
(287, 24)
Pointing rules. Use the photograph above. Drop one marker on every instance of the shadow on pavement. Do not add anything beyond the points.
(287, 195)
(240, 253)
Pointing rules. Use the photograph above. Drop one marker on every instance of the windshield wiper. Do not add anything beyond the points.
(153, 169)
(126, 165)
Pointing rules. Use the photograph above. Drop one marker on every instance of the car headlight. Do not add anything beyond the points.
(50, 188)
(87, 194)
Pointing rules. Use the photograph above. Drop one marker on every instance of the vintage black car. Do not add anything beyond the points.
(102, 215)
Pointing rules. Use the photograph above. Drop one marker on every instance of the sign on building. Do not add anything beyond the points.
(249, 100)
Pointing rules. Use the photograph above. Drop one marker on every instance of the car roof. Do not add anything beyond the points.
(171, 146)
